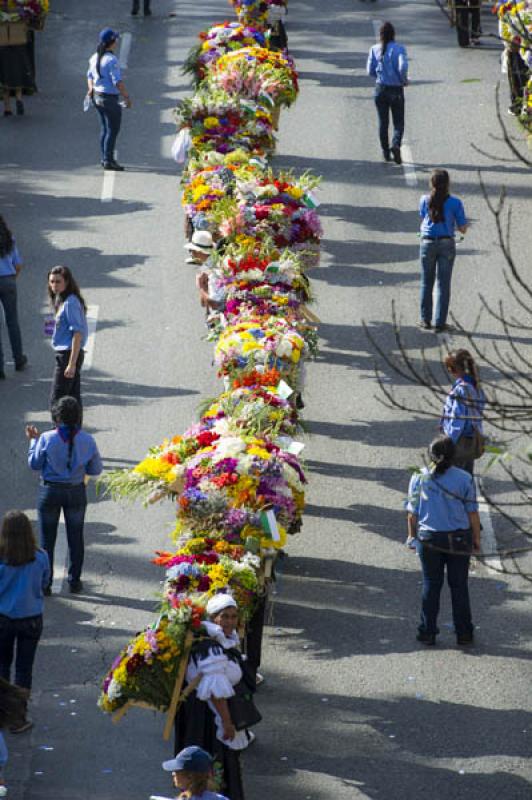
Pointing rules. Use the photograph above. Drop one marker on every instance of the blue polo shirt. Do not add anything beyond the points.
(392, 70)
(442, 502)
(21, 588)
(70, 319)
(109, 75)
(454, 215)
(49, 455)
(9, 263)
(463, 409)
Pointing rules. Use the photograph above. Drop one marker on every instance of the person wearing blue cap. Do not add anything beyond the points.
(191, 773)
(105, 87)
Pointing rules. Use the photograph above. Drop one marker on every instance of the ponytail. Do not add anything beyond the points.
(462, 361)
(67, 412)
(441, 453)
(386, 35)
(72, 430)
(100, 52)
(439, 192)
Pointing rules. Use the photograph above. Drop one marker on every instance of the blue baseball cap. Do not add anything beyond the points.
(108, 35)
(191, 759)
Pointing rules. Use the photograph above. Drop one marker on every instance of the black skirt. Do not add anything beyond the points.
(195, 725)
(15, 68)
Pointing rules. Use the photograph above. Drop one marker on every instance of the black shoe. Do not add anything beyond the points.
(8, 113)
(47, 591)
(387, 156)
(75, 587)
(22, 364)
(2, 375)
(299, 401)
(147, 12)
(442, 328)
(428, 639)
(464, 640)
(114, 166)
(20, 108)
(426, 326)
(396, 153)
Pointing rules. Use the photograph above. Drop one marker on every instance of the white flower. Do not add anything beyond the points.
(114, 690)
(229, 447)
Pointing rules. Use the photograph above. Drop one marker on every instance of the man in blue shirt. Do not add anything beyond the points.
(388, 64)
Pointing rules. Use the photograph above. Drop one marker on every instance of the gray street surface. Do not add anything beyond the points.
(353, 707)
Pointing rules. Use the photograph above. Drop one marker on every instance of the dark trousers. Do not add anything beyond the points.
(110, 113)
(8, 298)
(72, 500)
(24, 634)
(136, 5)
(390, 99)
(451, 550)
(61, 386)
(467, 21)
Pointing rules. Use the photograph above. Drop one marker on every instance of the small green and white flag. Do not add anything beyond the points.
(310, 200)
(284, 390)
(269, 525)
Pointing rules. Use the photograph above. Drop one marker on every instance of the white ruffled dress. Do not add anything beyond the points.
(218, 676)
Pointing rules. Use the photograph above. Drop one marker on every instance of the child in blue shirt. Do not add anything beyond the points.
(191, 771)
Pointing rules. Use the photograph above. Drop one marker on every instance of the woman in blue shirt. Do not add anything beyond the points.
(463, 410)
(24, 573)
(10, 266)
(70, 334)
(64, 457)
(388, 63)
(444, 523)
(105, 86)
(441, 214)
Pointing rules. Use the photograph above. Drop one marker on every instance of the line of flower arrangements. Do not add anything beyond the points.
(235, 475)
(31, 12)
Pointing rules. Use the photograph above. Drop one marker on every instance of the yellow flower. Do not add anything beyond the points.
(210, 122)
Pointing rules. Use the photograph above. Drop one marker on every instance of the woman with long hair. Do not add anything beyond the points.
(105, 87)
(24, 574)
(388, 64)
(10, 266)
(441, 214)
(463, 410)
(64, 457)
(70, 333)
(444, 524)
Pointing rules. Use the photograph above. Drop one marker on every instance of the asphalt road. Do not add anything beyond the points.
(353, 707)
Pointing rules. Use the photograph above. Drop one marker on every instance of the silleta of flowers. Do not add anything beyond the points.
(31, 12)
(235, 476)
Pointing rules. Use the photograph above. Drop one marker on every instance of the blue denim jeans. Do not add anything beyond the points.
(451, 550)
(110, 119)
(73, 501)
(24, 634)
(437, 259)
(390, 99)
(3, 753)
(8, 298)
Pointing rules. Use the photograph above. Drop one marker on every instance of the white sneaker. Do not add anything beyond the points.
(259, 678)
(3, 790)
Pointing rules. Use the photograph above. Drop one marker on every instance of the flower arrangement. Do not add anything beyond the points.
(146, 669)
(32, 12)
(229, 484)
(223, 38)
(257, 73)
(223, 122)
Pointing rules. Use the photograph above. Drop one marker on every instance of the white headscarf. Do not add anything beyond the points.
(218, 602)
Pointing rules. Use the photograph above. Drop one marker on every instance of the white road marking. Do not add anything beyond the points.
(108, 186)
(125, 47)
(377, 25)
(487, 536)
(409, 169)
(60, 558)
(92, 321)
